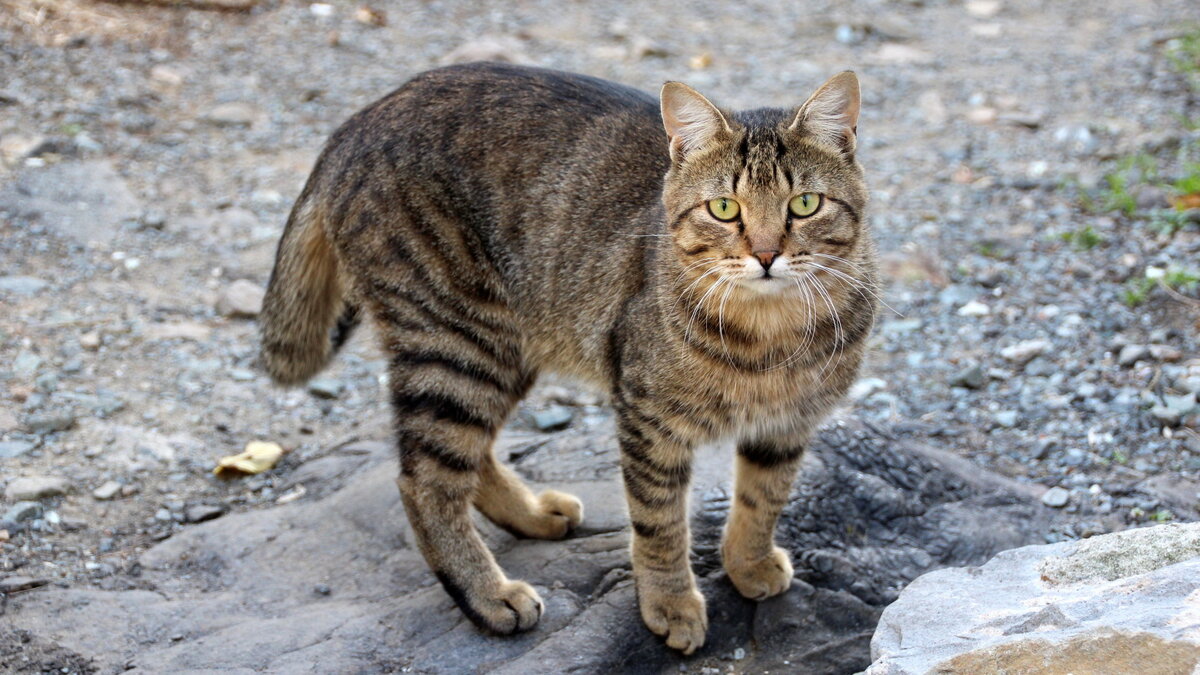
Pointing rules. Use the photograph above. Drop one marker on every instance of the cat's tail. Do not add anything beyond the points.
(305, 315)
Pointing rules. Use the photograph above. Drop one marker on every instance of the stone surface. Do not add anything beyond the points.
(241, 299)
(22, 511)
(869, 514)
(1116, 603)
(36, 487)
(87, 201)
(1056, 497)
(107, 491)
(19, 285)
(11, 449)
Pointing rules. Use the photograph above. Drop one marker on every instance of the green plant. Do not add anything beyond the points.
(1162, 516)
(1130, 171)
(1084, 238)
(1184, 54)
(1189, 183)
(1168, 221)
(1175, 278)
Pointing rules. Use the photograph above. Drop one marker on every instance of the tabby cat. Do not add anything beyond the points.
(497, 222)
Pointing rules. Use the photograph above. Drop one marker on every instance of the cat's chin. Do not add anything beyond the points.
(767, 285)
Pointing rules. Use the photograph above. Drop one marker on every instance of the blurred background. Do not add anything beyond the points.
(1035, 169)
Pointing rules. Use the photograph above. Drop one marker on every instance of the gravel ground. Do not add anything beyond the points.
(150, 155)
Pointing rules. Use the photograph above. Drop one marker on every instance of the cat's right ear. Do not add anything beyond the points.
(691, 120)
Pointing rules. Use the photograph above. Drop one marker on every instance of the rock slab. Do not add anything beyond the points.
(332, 582)
(1123, 602)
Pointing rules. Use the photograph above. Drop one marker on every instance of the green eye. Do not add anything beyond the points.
(803, 206)
(724, 208)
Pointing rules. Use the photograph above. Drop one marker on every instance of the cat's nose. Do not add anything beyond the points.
(766, 258)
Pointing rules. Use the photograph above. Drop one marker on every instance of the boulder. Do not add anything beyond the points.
(1116, 603)
(331, 581)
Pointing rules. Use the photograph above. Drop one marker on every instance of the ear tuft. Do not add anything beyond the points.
(691, 120)
(831, 114)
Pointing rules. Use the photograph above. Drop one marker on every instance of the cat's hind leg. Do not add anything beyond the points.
(505, 500)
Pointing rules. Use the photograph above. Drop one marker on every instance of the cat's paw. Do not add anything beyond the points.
(557, 514)
(512, 607)
(681, 618)
(762, 578)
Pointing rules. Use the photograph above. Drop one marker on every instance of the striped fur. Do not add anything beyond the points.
(497, 222)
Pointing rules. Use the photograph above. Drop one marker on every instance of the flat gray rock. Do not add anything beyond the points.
(1121, 603)
(332, 582)
(82, 200)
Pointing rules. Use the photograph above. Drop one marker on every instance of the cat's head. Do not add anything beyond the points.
(767, 199)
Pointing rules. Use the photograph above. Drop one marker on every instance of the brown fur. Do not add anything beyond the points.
(497, 222)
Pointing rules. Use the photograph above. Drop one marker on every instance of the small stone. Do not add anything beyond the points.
(974, 308)
(107, 491)
(1024, 351)
(971, 377)
(36, 487)
(322, 589)
(90, 340)
(236, 114)
(18, 285)
(1040, 367)
(1007, 418)
(154, 219)
(552, 418)
(1165, 353)
(1173, 409)
(163, 515)
(1056, 497)
(983, 9)
(198, 513)
(241, 299)
(49, 422)
(23, 511)
(326, 387)
(1131, 354)
(12, 449)
(901, 326)
(739, 654)
(865, 387)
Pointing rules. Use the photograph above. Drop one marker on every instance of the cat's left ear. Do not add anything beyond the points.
(831, 114)
(691, 120)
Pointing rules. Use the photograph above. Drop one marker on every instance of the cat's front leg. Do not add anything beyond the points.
(657, 467)
(765, 470)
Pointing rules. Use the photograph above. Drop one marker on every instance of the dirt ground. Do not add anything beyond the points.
(149, 155)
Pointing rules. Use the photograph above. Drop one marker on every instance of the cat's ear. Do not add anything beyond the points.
(831, 114)
(691, 120)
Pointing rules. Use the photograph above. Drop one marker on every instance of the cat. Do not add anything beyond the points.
(711, 270)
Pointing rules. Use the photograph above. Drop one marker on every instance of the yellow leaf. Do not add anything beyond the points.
(256, 458)
(1185, 202)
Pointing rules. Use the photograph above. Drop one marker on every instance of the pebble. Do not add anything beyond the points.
(865, 387)
(322, 589)
(971, 377)
(1056, 497)
(107, 491)
(198, 513)
(1165, 353)
(326, 387)
(974, 308)
(22, 511)
(241, 300)
(19, 285)
(36, 487)
(1024, 351)
(552, 418)
(1172, 409)
(49, 422)
(11, 449)
(90, 340)
(1007, 418)
(1040, 367)
(236, 114)
(1131, 354)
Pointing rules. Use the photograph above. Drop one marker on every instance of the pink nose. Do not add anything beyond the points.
(766, 258)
